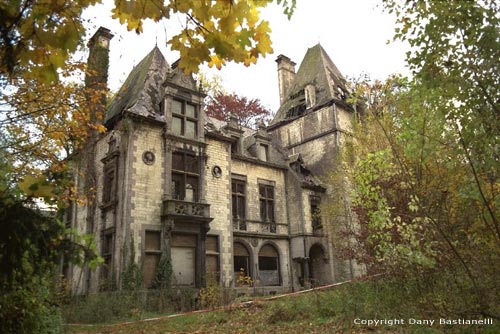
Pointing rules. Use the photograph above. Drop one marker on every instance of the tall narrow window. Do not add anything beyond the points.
(212, 258)
(315, 214)
(184, 119)
(241, 260)
(238, 204)
(109, 189)
(269, 265)
(266, 201)
(185, 176)
(152, 253)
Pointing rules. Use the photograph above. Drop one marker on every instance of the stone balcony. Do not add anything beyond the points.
(179, 210)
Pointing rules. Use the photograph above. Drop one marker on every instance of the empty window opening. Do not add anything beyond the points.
(269, 266)
(241, 259)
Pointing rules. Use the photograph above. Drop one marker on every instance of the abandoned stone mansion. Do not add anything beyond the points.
(220, 200)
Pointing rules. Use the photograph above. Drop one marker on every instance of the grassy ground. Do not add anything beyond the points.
(332, 311)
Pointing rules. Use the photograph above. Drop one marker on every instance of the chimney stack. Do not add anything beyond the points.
(97, 64)
(286, 74)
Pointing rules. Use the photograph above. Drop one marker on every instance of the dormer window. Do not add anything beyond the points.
(264, 152)
(184, 119)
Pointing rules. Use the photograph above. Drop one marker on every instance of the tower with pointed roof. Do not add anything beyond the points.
(311, 124)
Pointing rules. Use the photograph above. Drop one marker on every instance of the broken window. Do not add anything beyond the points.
(152, 254)
(107, 255)
(266, 201)
(238, 204)
(269, 265)
(241, 259)
(212, 258)
(184, 119)
(185, 176)
(109, 184)
(315, 214)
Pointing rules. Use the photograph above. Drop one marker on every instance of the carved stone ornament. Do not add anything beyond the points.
(148, 157)
(254, 242)
(217, 171)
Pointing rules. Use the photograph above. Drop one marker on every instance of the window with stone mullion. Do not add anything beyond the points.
(266, 194)
(185, 176)
(184, 119)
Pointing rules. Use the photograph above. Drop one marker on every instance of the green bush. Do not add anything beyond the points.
(28, 311)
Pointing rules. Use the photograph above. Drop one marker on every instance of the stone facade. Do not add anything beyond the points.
(238, 205)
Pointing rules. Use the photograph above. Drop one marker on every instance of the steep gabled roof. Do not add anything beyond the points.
(317, 69)
(142, 91)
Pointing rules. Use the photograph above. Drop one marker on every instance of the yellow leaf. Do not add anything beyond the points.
(215, 60)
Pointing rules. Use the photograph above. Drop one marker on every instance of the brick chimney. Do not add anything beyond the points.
(98, 61)
(286, 74)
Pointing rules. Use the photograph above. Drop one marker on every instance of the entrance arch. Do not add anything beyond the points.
(317, 265)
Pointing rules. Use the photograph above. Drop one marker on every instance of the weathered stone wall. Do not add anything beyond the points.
(218, 195)
(146, 182)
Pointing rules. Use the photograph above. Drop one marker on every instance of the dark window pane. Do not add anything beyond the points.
(192, 164)
(191, 188)
(268, 263)
(241, 265)
(241, 207)
(262, 191)
(177, 161)
(270, 211)
(263, 214)
(178, 186)
(270, 192)
(235, 206)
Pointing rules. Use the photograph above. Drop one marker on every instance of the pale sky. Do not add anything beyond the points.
(353, 32)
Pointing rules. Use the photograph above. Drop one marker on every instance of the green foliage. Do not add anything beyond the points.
(327, 311)
(29, 309)
(426, 181)
(131, 279)
(38, 36)
(32, 244)
(164, 273)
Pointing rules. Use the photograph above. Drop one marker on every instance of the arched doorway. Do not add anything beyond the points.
(269, 264)
(242, 267)
(317, 265)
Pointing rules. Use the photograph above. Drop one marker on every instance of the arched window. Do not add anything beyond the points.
(241, 258)
(269, 265)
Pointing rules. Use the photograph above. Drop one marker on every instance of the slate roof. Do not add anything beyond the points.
(142, 91)
(318, 69)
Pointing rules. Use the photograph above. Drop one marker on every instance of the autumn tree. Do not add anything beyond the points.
(249, 112)
(425, 180)
(37, 37)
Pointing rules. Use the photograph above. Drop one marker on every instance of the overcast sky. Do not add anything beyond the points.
(353, 32)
